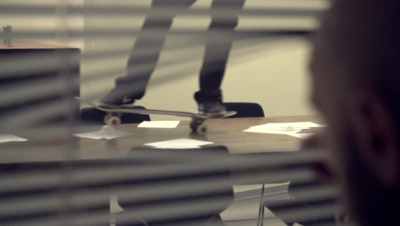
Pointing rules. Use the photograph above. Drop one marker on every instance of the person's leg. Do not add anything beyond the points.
(144, 55)
(209, 97)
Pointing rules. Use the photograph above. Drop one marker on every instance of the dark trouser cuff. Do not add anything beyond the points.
(201, 96)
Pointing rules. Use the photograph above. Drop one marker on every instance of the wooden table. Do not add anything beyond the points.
(48, 146)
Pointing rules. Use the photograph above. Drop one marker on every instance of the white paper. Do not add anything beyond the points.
(179, 143)
(272, 130)
(288, 128)
(300, 135)
(11, 138)
(106, 132)
(159, 124)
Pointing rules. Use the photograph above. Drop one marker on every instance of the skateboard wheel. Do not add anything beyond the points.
(194, 124)
(107, 118)
(201, 129)
(113, 120)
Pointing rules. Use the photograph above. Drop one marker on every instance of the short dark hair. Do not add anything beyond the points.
(366, 39)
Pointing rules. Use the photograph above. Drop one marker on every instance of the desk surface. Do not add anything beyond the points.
(227, 132)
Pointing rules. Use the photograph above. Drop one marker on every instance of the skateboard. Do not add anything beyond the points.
(197, 125)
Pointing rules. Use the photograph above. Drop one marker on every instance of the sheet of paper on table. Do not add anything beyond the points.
(11, 138)
(159, 124)
(181, 143)
(300, 135)
(289, 128)
(106, 132)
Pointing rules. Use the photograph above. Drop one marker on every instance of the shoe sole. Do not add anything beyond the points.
(108, 106)
(215, 115)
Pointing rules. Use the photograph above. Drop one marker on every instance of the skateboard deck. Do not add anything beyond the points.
(196, 124)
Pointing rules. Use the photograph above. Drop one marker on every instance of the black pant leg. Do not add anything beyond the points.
(146, 51)
(217, 51)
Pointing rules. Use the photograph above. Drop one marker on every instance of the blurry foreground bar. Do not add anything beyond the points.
(38, 83)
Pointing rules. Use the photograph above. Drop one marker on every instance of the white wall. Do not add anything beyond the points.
(274, 75)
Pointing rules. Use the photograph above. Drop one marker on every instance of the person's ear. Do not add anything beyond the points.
(376, 134)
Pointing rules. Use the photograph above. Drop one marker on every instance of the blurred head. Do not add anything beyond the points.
(355, 74)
